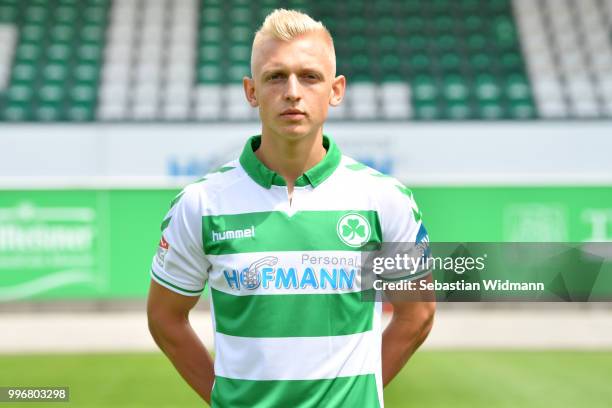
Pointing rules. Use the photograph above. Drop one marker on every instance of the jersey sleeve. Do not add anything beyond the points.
(403, 231)
(180, 264)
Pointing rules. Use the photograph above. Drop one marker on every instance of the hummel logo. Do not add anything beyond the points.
(233, 234)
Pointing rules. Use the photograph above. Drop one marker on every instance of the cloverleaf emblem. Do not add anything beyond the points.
(354, 229)
(351, 228)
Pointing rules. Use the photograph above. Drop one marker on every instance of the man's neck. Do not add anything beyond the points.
(290, 158)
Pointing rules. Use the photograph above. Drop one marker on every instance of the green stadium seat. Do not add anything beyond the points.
(62, 33)
(490, 110)
(383, 6)
(297, 4)
(211, 34)
(450, 62)
(522, 110)
(264, 11)
(65, 14)
(505, 34)
(94, 15)
(32, 33)
(498, 5)
(425, 89)
(417, 42)
(28, 52)
(480, 61)
(211, 15)
(55, 72)
(443, 23)
(102, 3)
(470, 5)
(415, 24)
(426, 110)
(90, 52)
(390, 64)
(410, 7)
(36, 14)
(388, 43)
(242, 35)
(392, 77)
(211, 52)
(445, 42)
(473, 23)
(360, 62)
(240, 15)
(85, 72)
(83, 93)
(51, 94)
(357, 24)
(24, 72)
(476, 42)
(517, 88)
(240, 54)
(18, 111)
(238, 71)
(420, 62)
(455, 88)
(59, 53)
(8, 13)
(209, 73)
(511, 61)
(458, 110)
(487, 88)
(48, 112)
(350, 45)
(384, 25)
(20, 93)
(93, 33)
(79, 112)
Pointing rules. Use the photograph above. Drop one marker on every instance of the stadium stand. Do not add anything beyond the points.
(568, 45)
(157, 60)
(56, 50)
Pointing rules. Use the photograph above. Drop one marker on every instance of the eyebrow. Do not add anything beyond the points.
(282, 70)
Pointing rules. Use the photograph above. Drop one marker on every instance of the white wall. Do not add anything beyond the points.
(417, 153)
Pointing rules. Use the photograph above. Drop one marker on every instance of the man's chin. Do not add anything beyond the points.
(294, 130)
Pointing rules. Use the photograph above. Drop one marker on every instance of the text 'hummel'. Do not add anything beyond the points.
(233, 234)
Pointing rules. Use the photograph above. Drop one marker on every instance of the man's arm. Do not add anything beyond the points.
(168, 315)
(410, 324)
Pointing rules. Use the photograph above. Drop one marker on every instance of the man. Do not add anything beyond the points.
(277, 235)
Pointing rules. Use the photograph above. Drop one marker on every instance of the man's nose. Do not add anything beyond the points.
(293, 88)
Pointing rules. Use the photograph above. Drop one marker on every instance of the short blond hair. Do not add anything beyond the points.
(285, 25)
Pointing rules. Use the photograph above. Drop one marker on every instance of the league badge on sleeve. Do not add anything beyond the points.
(162, 250)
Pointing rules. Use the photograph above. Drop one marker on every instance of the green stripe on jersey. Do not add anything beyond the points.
(350, 392)
(305, 315)
(276, 231)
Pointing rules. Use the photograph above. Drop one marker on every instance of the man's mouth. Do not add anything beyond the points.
(293, 114)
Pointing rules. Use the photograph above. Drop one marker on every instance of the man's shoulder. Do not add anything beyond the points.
(377, 183)
(215, 181)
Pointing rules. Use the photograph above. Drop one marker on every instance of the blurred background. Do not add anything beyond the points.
(497, 113)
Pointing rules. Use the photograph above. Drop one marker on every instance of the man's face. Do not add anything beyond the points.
(293, 84)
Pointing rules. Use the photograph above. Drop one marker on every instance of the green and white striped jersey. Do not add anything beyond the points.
(291, 328)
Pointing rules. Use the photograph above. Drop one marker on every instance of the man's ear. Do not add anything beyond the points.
(338, 89)
(249, 91)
